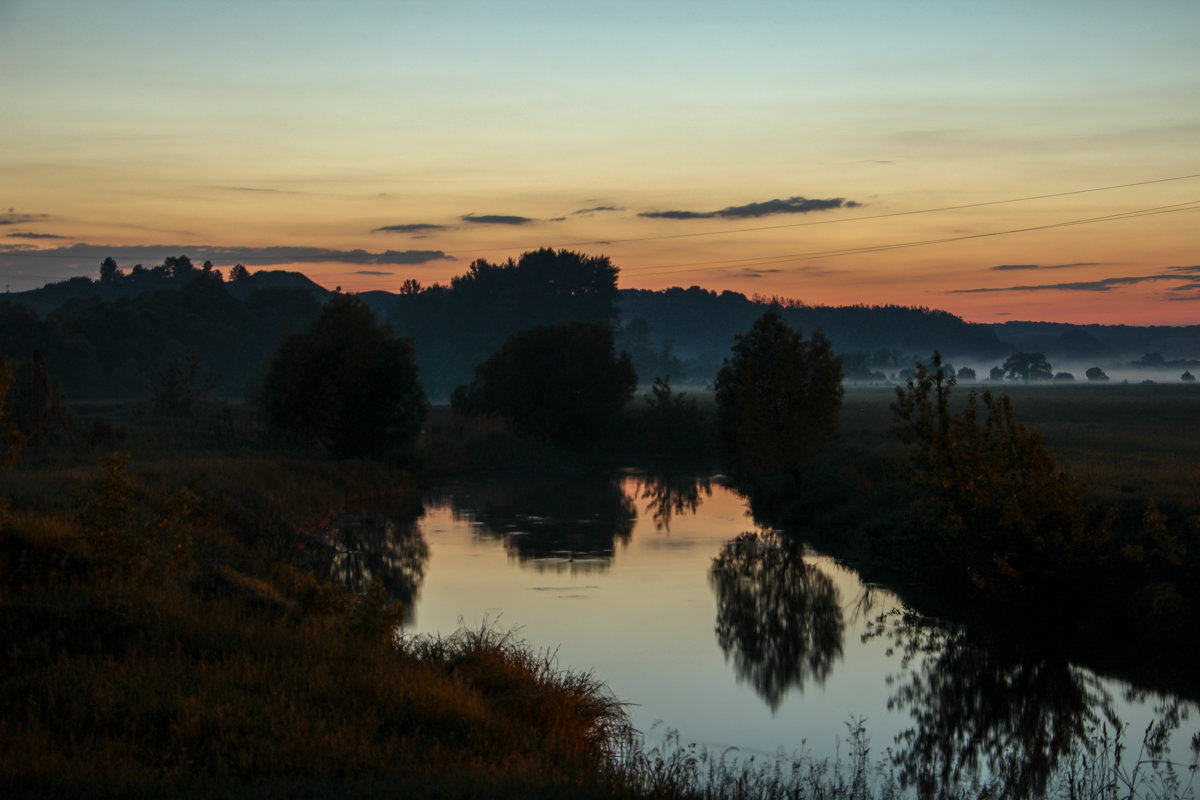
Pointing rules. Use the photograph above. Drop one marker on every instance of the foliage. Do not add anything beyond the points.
(458, 326)
(1005, 520)
(672, 425)
(562, 382)
(177, 384)
(11, 439)
(125, 541)
(347, 384)
(1028, 367)
(778, 398)
(102, 344)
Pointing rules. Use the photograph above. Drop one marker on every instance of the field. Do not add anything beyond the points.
(1127, 442)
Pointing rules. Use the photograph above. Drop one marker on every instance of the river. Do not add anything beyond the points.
(708, 626)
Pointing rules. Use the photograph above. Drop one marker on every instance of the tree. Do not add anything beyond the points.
(109, 271)
(1187, 377)
(778, 398)
(238, 273)
(1028, 367)
(348, 384)
(1096, 374)
(180, 267)
(562, 382)
(966, 374)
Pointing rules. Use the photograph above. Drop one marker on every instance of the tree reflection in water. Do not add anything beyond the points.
(778, 617)
(975, 707)
(671, 494)
(561, 523)
(387, 547)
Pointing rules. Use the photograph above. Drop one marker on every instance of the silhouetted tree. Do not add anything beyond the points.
(179, 267)
(996, 374)
(562, 382)
(778, 398)
(1065, 377)
(1028, 367)
(109, 271)
(238, 273)
(966, 374)
(1096, 374)
(348, 384)
(1187, 377)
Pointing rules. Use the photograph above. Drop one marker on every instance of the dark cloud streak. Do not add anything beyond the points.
(495, 219)
(1007, 267)
(793, 205)
(415, 227)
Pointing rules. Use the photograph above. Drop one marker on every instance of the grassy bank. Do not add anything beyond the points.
(164, 636)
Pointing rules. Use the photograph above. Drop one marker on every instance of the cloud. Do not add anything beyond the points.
(1005, 267)
(88, 256)
(793, 205)
(751, 272)
(12, 218)
(414, 227)
(27, 235)
(495, 219)
(595, 210)
(371, 272)
(1102, 285)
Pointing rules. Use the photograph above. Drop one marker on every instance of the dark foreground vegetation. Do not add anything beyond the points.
(169, 627)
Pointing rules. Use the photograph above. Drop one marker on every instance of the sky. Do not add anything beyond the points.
(1018, 160)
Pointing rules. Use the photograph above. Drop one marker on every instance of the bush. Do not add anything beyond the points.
(1007, 523)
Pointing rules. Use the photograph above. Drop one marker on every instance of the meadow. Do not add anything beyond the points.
(165, 633)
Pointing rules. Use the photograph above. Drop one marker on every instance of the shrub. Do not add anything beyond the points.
(1007, 522)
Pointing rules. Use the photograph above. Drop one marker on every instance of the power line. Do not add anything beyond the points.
(843, 220)
(704, 266)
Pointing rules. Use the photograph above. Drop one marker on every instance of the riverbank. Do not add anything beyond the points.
(1130, 606)
(164, 636)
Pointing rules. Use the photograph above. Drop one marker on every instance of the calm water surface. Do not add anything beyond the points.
(667, 590)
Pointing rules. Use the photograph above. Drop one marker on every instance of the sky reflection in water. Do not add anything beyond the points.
(665, 588)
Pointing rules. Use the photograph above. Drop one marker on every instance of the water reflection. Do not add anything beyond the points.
(983, 708)
(779, 618)
(558, 523)
(387, 547)
(671, 494)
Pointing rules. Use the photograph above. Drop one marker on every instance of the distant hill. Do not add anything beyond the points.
(53, 295)
(102, 338)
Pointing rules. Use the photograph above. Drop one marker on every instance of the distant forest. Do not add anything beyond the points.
(103, 338)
